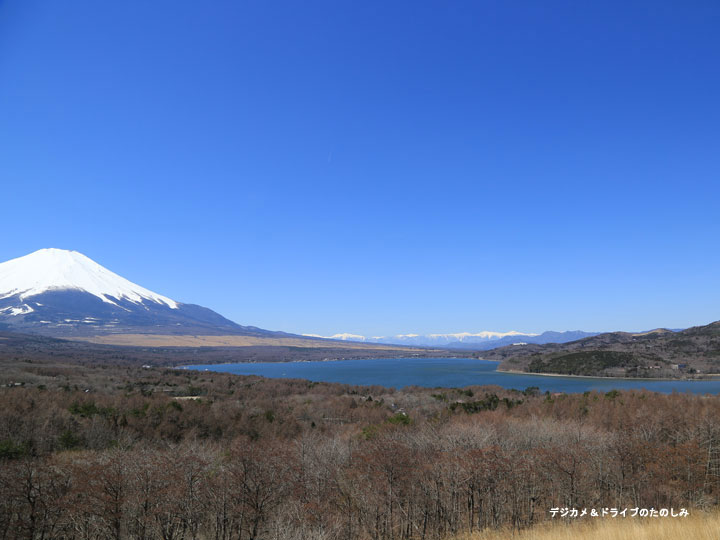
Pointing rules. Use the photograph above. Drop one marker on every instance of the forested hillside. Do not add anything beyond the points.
(693, 353)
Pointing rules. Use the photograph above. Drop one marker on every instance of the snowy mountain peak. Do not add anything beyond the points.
(58, 269)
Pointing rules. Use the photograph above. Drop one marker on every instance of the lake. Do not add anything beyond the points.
(446, 372)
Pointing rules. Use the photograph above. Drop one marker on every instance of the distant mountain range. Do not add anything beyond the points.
(57, 292)
(465, 340)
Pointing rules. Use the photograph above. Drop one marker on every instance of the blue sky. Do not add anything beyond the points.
(374, 167)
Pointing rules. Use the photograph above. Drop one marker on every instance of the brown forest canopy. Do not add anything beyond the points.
(106, 452)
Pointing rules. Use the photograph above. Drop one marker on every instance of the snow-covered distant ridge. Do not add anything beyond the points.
(344, 337)
(51, 269)
(462, 336)
(464, 340)
(459, 336)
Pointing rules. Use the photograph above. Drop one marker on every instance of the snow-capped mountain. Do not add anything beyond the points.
(58, 269)
(466, 340)
(60, 292)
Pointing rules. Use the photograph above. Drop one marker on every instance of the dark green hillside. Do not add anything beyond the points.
(585, 363)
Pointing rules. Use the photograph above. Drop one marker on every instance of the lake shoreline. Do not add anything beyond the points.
(300, 361)
(398, 373)
(710, 377)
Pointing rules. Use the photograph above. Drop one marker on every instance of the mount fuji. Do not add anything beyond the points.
(64, 293)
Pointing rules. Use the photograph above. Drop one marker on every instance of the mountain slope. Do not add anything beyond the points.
(166, 350)
(658, 353)
(64, 293)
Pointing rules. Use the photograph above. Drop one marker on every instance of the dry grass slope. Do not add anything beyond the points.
(161, 340)
(694, 527)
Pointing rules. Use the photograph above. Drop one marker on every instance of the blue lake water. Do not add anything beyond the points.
(446, 372)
